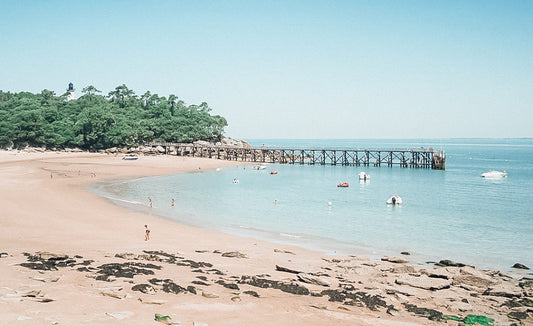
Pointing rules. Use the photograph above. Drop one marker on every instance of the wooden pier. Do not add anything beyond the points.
(407, 158)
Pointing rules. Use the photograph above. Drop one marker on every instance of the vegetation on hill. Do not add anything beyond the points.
(94, 121)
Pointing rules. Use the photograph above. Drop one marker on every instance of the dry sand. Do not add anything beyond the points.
(48, 214)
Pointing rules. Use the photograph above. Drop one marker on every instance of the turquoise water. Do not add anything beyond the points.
(454, 214)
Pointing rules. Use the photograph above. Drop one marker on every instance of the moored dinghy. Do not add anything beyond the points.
(494, 175)
(394, 200)
(259, 167)
(364, 176)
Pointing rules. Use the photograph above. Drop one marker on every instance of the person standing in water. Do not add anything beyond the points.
(172, 202)
(146, 233)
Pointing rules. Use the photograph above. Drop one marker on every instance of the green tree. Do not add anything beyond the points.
(122, 94)
(172, 100)
(95, 122)
(145, 98)
(91, 127)
(47, 97)
(90, 90)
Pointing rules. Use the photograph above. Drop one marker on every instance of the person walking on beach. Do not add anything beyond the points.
(146, 233)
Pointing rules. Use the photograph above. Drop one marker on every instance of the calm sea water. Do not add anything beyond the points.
(454, 214)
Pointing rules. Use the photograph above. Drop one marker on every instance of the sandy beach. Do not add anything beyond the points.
(69, 257)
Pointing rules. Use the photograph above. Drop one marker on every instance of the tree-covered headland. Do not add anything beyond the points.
(94, 121)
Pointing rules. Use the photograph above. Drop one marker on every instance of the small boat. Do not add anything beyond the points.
(364, 176)
(494, 175)
(274, 172)
(259, 167)
(394, 200)
(235, 180)
(130, 158)
(343, 185)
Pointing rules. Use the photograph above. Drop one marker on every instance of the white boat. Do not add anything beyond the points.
(394, 200)
(259, 167)
(130, 158)
(494, 175)
(364, 176)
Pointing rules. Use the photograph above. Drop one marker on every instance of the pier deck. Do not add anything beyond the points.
(412, 158)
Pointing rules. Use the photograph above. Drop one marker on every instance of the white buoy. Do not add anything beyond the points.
(330, 203)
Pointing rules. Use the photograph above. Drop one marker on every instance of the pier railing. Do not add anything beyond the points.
(413, 158)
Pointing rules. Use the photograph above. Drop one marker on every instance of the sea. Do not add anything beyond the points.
(453, 214)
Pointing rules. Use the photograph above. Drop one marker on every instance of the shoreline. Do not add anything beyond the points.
(48, 208)
(276, 238)
(323, 245)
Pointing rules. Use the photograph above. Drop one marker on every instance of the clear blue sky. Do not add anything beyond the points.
(291, 69)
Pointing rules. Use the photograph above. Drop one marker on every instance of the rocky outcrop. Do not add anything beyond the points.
(372, 302)
(234, 254)
(167, 285)
(504, 290)
(46, 261)
(423, 282)
(430, 314)
(288, 287)
(446, 262)
(287, 270)
(232, 286)
(185, 150)
(404, 269)
(226, 141)
(438, 273)
(397, 260)
(144, 288)
(126, 270)
(311, 279)
(520, 266)
(472, 277)
(252, 293)
(437, 293)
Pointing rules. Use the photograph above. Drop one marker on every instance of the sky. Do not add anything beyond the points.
(291, 69)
